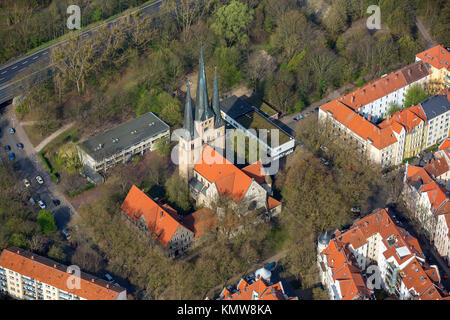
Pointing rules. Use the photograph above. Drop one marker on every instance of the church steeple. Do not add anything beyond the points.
(216, 101)
(202, 109)
(188, 112)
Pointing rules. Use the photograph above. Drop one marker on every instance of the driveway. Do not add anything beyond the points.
(28, 165)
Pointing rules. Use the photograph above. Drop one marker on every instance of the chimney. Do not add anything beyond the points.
(32, 257)
(353, 98)
(396, 76)
(54, 266)
(373, 87)
(93, 280)
(409, 71)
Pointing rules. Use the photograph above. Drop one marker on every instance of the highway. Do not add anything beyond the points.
(38, 65)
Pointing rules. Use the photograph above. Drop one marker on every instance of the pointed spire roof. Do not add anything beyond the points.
(216, 101)
(188, 112)
(202, 108)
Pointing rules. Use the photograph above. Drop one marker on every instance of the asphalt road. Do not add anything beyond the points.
(28, 165)
(38, 64)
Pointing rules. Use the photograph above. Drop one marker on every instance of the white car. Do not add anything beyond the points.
(42, 204)
(39, 180)
(26, 183)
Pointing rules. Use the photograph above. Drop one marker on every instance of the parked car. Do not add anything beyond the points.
(108, 277)
(66, 233)
(19, 145)
(299, 117)
(7, 148)
(324, 161)
(42, 204)
(26, 182)
(32, 201)
(12, 130)
(39, 180)
(12, 156)
(56, 202)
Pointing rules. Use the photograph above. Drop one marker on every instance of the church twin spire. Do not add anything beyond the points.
(203, 110)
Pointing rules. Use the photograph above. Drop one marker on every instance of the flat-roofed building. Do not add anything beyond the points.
(25, 275)
(250, 120)
(121, 143)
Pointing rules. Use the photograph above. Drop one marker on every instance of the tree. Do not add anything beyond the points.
(393, 108)
(414, 95)
(87, 258)
(320, 294)
(56, 252)
(232, 21)
(47, 221)
(177, 192)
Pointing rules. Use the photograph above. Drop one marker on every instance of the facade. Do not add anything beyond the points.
(250, 120)
(256, 287)
(377, 241)
(380, 144)
(120, 144)
(403, 135)
(374, 99)
(202, 124)
(25, 275)
(437, 61)
(160, 221)
(437, 112)
(442, 237)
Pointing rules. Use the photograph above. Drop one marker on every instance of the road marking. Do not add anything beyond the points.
(45, 52)
(35, 57)
(24, 62)
(14, 67)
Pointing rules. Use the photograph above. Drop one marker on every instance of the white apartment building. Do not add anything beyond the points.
(442, 237)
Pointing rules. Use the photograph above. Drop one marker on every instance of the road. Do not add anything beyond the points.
(38, 65)
(425, 34)
(28, 165)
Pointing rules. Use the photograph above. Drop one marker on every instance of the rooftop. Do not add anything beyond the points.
(55, 274)
(435, 106)
(124, 136)
(438, 57)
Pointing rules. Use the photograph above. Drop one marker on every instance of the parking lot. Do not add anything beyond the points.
(27, 165)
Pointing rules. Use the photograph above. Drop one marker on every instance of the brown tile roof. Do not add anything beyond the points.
(255, 171)
(436, 167)
(55, 274)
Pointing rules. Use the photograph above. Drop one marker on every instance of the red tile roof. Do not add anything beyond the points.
(384, 86)
(265, 291)
(162, 221)
(400, 245)
(436, 167)
(438, 57)
(406, 118)
(201, 221)
(380, 137)
(227, 177)
(272, 203)
(414, 173)
(435, 194)
(56, 275)
(255, 171)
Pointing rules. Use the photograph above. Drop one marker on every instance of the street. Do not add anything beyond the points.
(27, 165)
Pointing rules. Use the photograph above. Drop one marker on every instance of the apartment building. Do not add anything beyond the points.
(28, 276)
(376, 241)
(120, 144)
(378, 143)
(437, 61)
(442, 237)
(258, 286)
(437, 113)
(374, 99)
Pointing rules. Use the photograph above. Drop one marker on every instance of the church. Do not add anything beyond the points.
(202, 161)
